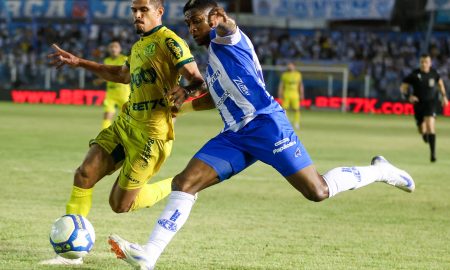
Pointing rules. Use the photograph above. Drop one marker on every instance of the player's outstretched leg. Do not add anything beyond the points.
(394, 176)
(132, 253)
(316, 187)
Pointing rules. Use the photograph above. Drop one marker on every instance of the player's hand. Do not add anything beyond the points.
(177, 95)
(444, 102)
(61, 58)
(174, 110)
(413, 99)
(216, 16)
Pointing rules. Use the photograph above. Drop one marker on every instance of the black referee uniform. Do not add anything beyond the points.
(424, 87)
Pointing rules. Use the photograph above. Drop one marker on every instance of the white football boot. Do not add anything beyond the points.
(133, 254)
(394, 176)
(58, 260)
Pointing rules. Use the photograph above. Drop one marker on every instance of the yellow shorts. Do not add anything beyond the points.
(291, 101)
(114, 99)
(141, 155)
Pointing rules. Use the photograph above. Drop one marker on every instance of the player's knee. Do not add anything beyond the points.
(185, 182)
(318, 194)
(181, 183)
(119, 207)
(83, 179)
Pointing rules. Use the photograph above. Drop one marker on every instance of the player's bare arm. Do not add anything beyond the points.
(120, 74)
(218, 18)
(443, 93)
(280, 89)
(196, 83)
(301, 90)
(204, 102)
(404, 87)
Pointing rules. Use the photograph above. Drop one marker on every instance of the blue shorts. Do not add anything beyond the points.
(268, 138)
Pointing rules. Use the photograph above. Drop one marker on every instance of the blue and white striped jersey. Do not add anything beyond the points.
(236, 82)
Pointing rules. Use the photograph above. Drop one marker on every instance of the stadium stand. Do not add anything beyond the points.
(385, 56)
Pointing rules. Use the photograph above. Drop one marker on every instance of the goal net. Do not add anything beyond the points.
(318, 80)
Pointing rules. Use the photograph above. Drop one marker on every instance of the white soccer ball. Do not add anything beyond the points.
(72, 236)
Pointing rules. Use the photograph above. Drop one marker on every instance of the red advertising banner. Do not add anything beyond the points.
(63, 96)
(96, 97)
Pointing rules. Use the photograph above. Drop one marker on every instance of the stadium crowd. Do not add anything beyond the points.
(385, 56)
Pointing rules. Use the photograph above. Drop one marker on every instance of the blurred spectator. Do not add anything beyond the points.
(385, 56)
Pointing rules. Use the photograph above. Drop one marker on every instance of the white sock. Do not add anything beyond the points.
(169, 223)
(346, 178)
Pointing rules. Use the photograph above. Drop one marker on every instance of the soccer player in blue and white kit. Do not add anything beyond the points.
(256, 128)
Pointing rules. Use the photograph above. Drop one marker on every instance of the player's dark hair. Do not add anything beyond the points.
(157, 3)
(199, 4)
(424, 55)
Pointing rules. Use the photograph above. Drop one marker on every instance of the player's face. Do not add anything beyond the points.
(114, 49)
(146, 16)
(291, 67)
(197, 22)
(425, 64)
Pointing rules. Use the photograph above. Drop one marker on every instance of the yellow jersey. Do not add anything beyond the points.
(154, 63)
(291, 81)
(118, 61)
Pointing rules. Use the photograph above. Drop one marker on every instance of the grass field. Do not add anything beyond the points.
(255, 220)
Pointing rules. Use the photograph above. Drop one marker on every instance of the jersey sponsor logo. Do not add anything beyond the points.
(150, 50)
(241, 86)
(284, 146)
(213, 78)
(131, 179)
(147, 153)
(174, 48)
(222, 99)
(143, 76)
(298, 152)
(285, 140)
(149, 105)
(169, 224)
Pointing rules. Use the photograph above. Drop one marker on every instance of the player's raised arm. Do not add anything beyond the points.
(218, 18)
(60, 57)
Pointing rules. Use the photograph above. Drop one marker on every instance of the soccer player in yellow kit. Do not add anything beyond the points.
(141, 138)
(291, 91)
(116, 93)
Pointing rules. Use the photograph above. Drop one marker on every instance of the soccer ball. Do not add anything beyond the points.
(72, 236)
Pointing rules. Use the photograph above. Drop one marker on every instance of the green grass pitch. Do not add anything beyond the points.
(254, 221)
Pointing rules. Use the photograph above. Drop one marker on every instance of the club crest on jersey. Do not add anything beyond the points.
(431, 82)
(174, 48)
(150, 50)
(241, 86)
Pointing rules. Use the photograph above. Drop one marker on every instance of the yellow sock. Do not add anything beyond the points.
(150, 194)
(80, 201)
(106, 123)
